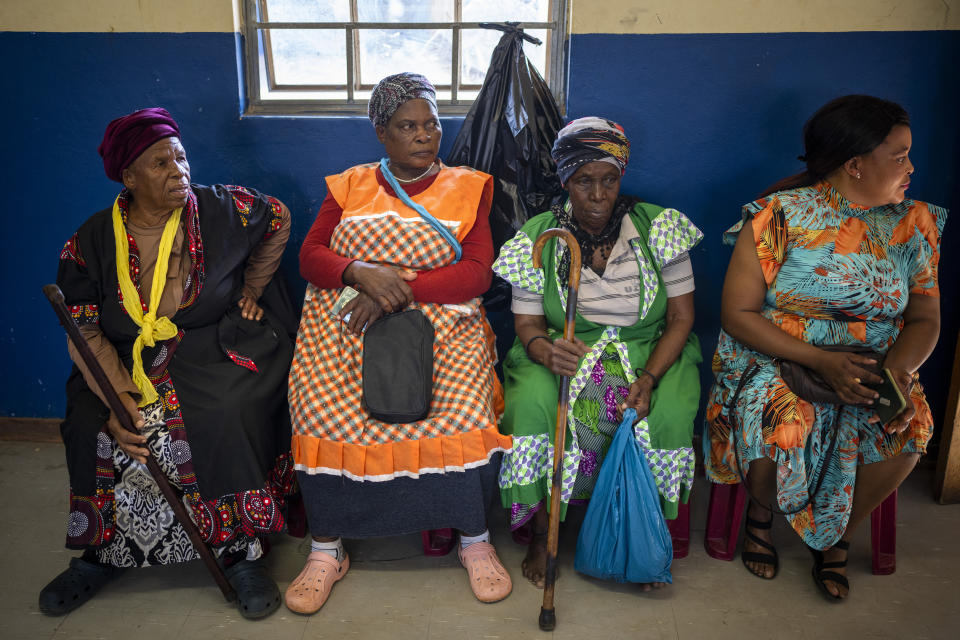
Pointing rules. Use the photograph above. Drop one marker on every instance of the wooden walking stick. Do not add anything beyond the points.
(548, 616)
(55, 296)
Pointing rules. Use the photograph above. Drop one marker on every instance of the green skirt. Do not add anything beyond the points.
(531, 394)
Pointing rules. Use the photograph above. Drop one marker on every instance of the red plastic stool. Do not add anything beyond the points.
(438, 542)
(680, 531)
(725, 517)
(883, 536)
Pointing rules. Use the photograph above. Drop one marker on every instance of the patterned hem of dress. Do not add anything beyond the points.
(402, 459)
(532, 460)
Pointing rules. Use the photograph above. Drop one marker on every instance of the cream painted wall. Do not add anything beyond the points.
(762, 16)
(589, 16)
(166, 16)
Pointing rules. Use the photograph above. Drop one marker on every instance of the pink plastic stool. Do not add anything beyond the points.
(725, 518)
(438, 542)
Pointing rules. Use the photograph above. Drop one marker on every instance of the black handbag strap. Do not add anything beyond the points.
(750, 372)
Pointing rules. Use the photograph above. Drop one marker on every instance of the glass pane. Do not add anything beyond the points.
(405, 10)
(307, 10)
(306, 56)
(477, 46)
(506, 10)
(424, 51)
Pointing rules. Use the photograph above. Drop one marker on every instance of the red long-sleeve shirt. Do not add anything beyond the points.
(450, 284)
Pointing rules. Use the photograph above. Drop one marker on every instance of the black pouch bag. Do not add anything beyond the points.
(398, 367)
(808, 384)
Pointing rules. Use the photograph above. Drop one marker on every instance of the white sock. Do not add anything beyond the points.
(334, 548)
(254, 550)
(466, 541)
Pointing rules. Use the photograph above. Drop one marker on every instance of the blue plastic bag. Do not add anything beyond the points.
(624, 536)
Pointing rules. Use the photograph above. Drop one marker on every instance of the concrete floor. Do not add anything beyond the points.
(393, 591)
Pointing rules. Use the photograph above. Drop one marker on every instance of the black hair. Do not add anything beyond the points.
(844, 128)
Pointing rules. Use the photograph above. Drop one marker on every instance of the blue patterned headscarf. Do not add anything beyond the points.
(393, 91)
(590, 139)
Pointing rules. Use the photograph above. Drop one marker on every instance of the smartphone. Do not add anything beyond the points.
(891, 401)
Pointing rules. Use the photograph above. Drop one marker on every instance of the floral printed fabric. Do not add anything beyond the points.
(836, 273)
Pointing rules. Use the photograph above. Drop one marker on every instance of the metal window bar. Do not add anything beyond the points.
(258, 45)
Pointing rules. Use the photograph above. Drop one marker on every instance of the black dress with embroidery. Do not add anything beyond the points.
(220, 428)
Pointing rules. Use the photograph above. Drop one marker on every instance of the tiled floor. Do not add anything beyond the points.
(394, 592)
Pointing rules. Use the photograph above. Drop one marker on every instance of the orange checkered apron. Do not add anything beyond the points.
(333, 434)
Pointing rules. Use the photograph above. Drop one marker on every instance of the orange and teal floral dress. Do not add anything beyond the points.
(836, 273)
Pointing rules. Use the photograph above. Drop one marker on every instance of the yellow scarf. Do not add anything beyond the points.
(152, 328)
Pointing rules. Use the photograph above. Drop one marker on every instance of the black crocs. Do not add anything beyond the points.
(257, 593)
(77, 584)
(770, 559)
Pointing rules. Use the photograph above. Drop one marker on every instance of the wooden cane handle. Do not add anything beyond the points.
(572, 245)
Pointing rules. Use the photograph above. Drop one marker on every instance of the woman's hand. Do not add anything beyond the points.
(249, 309)
(638, 398)
(563, 357)
(845, 373)
(387, 286)
(133, 444)
(899, 423)
(363, 311)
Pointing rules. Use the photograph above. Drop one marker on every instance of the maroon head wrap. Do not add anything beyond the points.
(129, 136)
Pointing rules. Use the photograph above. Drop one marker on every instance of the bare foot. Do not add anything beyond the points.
(835, 554)
(650, 586)
(534, 565)
(762, 569)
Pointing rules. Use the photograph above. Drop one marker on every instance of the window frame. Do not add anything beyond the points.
(557, 48)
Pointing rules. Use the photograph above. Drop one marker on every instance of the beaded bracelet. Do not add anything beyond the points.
(640, 370)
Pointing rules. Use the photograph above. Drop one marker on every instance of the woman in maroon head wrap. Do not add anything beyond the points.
(173, 288)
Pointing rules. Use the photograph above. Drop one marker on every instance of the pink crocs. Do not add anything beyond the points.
(489, 581)
(309, 590)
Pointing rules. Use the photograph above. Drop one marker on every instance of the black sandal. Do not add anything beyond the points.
(820, 576)
(770, 559)
(74, 586)
(257, 593)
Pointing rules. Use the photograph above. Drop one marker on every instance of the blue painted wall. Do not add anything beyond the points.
(713, 119)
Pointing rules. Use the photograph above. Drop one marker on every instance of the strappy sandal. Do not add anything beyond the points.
(489, 581)
(769, 559)
(75, 585)
(257, 593)
(310, 590)
(822, 573)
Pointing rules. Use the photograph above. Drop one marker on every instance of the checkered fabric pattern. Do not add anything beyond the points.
(515, 264)
(672, 234)
(325, 391)
(532, 459)
(672, 470)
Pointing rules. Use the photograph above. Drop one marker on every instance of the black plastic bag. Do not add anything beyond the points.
(508, 133)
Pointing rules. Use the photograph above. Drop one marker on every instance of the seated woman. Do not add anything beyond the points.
(836, 255)
(166, 286)
(362, 477)
(633, 346)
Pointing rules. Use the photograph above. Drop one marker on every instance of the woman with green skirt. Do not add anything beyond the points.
(633, 346)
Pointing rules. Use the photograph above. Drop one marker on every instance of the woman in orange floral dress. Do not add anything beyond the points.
(837, 255)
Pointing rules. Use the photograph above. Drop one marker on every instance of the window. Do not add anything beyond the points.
(325, 56)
